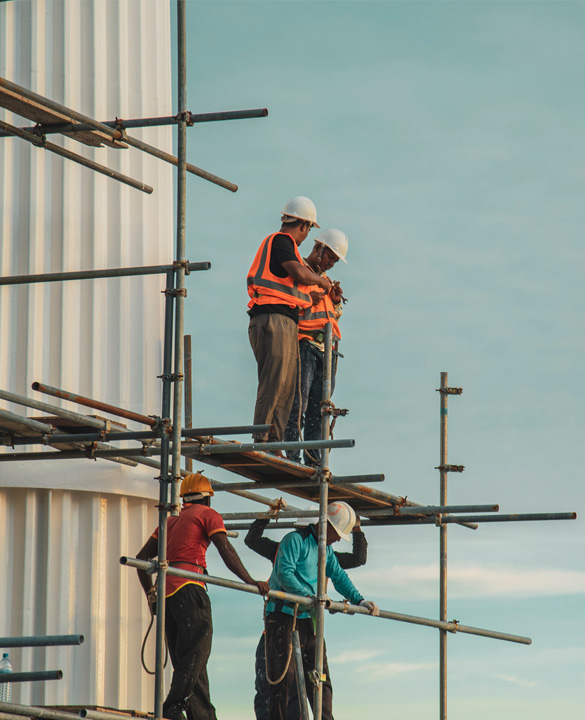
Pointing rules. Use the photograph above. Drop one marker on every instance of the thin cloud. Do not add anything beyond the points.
(469, 581)
(515, 680)
(375, 671)
(353, 656)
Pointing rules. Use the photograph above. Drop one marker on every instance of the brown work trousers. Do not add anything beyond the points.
(274, 340)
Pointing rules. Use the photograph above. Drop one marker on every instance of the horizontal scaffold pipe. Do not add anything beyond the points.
(34, 676)
(431, 510)
(128, 124)
(115, 436)
(266, 446)
(519, 517)
(12, 420)
(98, 274)
(54, 410)
(41, 641)
(74, 157)
(332, 606)
(281, 514)
(295, 483)
(36, 712)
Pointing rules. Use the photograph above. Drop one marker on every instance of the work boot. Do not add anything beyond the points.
(174, 712)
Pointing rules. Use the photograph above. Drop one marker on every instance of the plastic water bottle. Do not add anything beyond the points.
(5, 688)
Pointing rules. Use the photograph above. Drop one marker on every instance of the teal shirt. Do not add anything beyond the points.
(295, 571)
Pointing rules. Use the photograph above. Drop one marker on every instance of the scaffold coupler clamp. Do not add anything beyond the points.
(121, 129)
(105, 430)
(178, 264)
(158, 565)
(451, 468)
(90, 451)
(455, 627)
(439, 520)
(450, 391)
(317, 678)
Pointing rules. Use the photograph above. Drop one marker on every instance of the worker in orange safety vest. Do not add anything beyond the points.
(330, 246)
(279, 286)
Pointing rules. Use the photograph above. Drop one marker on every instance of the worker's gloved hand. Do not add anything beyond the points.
(336, 293)
(371, 606)
(151, 596)
(316, 296)
(264, 587)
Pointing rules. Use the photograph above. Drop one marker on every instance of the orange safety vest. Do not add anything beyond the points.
(264, 288)
(312, 320)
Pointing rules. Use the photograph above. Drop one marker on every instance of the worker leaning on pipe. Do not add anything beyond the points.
(278, 286)
(268, 548)
(188, 624)
(295, 571)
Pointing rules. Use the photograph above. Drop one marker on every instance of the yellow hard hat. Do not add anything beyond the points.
(195, 485)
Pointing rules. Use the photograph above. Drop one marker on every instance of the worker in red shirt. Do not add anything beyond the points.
(188, 623)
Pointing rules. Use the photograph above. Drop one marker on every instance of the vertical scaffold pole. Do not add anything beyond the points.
(443, 553)
(188, 365)
(180, 253)
(324, 476)
(163, 496)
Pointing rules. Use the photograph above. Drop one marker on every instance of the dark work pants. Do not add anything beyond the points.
(278, 641)
(274, 340)
(262, 688)
(189, 631)
(308, 402)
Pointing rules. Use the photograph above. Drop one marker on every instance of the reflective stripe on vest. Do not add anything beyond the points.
(313, 320)
(264, 288)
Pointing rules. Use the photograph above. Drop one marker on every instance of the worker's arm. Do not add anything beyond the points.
(233, 562)
(256, 541)
(359, 554)
(340, 579)
(148, 551)
(297, 271)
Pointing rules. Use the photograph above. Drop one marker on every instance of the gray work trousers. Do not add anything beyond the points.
(274, 340)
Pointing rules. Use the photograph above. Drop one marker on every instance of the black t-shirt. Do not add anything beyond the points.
(282, 251)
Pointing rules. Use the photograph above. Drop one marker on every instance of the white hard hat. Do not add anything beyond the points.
(342, 517)
(301, 208)
(336, 241)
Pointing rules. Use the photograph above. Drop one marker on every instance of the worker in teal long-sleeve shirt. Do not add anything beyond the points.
(295, 571)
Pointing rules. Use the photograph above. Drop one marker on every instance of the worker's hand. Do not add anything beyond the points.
(264, 587)
(316, 296)
(336, 293)
(151, 597)
(324, 283)
(371, 606)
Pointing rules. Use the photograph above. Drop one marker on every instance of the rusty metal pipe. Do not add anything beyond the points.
(89, 402)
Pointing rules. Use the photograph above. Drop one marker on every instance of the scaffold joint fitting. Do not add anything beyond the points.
(450, 391)
(451, 468)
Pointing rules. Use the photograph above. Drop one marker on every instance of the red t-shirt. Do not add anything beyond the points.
(188, 537)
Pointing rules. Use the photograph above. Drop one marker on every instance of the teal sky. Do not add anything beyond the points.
(446, 139)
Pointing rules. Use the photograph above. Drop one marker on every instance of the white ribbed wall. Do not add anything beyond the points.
(64, 524)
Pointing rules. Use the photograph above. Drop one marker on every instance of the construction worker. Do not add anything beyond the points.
(268, 548)
(295, 571)
(278, 286)
(330, 246)
(188, 623)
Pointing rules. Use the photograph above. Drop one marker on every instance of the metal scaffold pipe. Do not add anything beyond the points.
(453, 626)
(131, 123)
(34, 676)
(294, 483)
(74, 157)
(266, 446)
(41, 641)
(97, 274)
(36, 712)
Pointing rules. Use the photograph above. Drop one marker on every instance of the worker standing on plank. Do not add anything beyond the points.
(330, 246)
(188, 623)
(278, 286)
(268, 548)
(295, 571)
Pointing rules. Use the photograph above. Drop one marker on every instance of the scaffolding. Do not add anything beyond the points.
(72, 435)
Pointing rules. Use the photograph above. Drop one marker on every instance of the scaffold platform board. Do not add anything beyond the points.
(35, 107)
